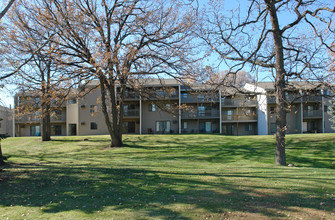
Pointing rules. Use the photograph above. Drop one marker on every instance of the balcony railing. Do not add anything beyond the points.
(199, 115)
(197, 99)
(238, 102)
(312, 113)
(239, 117)
(36, 119)
(312, 98)
(132, 113)
(296, 98)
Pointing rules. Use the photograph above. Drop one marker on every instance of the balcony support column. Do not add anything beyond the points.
(301, 113)
(179, 110)
(220, 111)
(323, 111)
(140, 112)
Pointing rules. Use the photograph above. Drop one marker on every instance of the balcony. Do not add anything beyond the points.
(312, 98)
(201, 115)
(230, 118)
(132, 113)
(312, 114)
(58, 118)
(36, 119)
(296, 98)
(238, 102)
(197, 99)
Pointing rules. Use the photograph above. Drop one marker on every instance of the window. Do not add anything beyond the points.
(168, 106)
(185, 124)
(73, 101)
(310, 126)
(249, 127)
(93, 109)
(152, 108)
(326, 108)
(272, 110)
(184, 95)
(273, 128)
(35, 116)
(56, 130)
(35, 130)
(228, 114)
(163, 126)
(0, 125)
(201, 110)
(248, 112)
(94, 126)
(160, 92)
(201, 97)
(205, 127)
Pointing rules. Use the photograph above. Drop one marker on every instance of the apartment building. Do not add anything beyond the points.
(307, 107)
(27, 120)
(6, 121)
(179, 109)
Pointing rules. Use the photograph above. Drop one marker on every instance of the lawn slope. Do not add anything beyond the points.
(168, 177)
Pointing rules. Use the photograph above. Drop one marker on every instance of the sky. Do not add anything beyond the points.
(6, 95)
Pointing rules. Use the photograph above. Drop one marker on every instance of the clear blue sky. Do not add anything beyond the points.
(6, 97)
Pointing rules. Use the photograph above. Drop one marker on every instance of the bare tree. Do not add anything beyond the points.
(119, 42)
(43, 83)
(287, 38)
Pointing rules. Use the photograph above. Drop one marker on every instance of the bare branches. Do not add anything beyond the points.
(5, 10)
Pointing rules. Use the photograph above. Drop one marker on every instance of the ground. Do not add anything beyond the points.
(168, 177)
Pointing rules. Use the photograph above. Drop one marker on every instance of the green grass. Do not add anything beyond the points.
(168, 177)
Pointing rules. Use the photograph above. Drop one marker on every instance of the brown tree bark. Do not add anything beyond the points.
(279, 85)
(2, 162)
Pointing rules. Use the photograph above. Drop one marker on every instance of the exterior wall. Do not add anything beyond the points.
(85, 117)
(327, 123)
(293, 120)
(72, 116)
(149, 119)
(262, 109)
(6, 126)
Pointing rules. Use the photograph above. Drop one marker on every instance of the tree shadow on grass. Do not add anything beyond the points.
(60, 188)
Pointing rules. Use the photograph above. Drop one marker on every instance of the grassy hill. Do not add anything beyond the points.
(168, 177)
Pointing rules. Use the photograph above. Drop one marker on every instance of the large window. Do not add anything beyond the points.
(163, 126)
(94, 126)
(56, 130)
(205, 127)
(35, 130)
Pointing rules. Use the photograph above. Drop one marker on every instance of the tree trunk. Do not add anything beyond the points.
(117, 140)
(45, 124)
(2, 162)
(280, 158)
(111, 121)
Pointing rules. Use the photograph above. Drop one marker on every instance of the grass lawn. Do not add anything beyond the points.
(168, 177)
